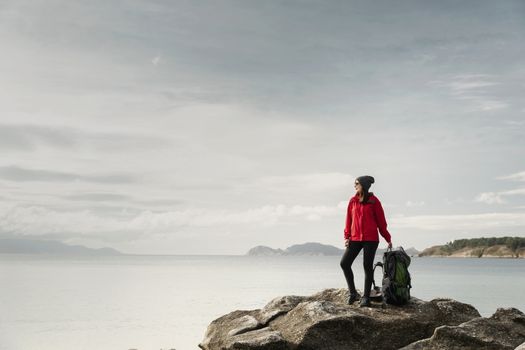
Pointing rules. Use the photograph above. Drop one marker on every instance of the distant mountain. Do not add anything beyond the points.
(311, 248)
(262, 250)
(35, 246)
(297, 249)
(410, 251)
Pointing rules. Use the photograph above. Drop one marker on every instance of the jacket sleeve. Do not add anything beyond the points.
(381, 221)
(348, 225)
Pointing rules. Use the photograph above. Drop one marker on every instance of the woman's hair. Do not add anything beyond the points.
(366, 197)
(366, 181)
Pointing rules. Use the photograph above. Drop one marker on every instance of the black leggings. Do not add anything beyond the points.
(351, 252)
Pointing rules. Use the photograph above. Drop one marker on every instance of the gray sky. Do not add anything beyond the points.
(209, 127)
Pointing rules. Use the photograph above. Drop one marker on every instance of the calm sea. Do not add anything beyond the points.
(166, 302)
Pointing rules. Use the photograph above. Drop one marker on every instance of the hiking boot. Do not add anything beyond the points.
(365, 302)
(353, 298)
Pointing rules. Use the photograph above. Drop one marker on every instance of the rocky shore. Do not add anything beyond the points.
(498, 251)
(325, 321)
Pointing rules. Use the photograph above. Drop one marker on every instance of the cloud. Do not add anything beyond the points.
(230, 107)
(97, 197)
(17, 174)
(159, 202)
(498, 197)
(414, 204)
(514, 123)
(490, 198)
(517, 191)
(33, 220)
(27, 137)
(37, 220)
(469, 222)
(489, 105)
(316, 182)
(464, 84)
(267, 215)
(474, 88)
(156, 60)
(516, 177)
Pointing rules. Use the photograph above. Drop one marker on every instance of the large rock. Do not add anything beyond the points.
(503, 330)
(325, 321)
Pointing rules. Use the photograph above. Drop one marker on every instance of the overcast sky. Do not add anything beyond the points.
(210, 127)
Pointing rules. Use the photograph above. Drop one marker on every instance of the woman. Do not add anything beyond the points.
(365, 216)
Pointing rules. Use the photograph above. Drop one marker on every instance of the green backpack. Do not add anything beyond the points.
(396, 278)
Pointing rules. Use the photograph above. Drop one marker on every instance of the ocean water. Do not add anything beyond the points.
(166, 302)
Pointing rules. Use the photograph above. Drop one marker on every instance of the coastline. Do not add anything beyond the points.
(484, 251)
(471, 257)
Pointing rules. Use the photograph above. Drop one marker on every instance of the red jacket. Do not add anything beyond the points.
(364, 220)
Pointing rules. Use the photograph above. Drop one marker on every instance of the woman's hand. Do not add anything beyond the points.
(390, 245)
(347, 242)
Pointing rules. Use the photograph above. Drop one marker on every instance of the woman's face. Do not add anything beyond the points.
(358, 187)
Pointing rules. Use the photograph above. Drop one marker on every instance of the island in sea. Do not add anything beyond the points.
(492, 247)
(310, 249)
(49, 247)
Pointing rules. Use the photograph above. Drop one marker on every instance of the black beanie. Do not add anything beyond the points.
(365, 181)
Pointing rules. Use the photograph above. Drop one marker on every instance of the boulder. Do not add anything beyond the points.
(325, 321)
(503, 330)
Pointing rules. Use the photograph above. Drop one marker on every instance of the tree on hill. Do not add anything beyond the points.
(513, 243)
